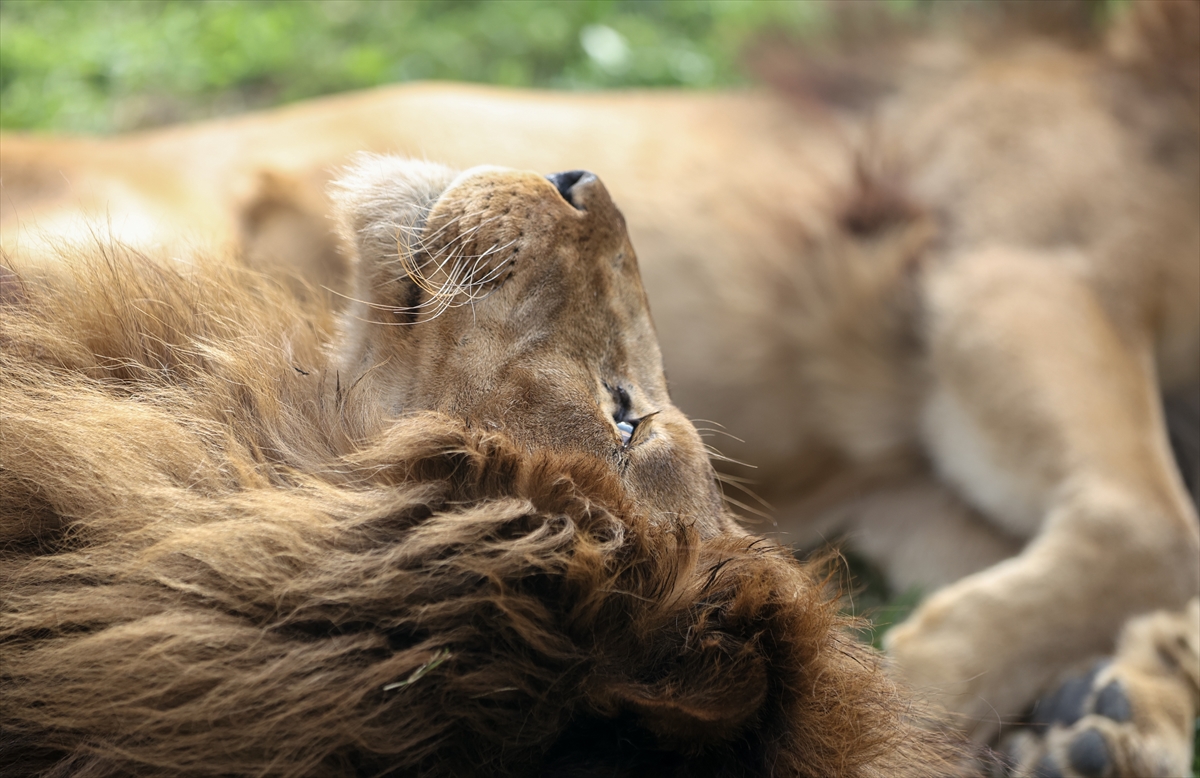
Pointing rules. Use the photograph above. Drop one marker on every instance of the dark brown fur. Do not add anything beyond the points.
(205, 572)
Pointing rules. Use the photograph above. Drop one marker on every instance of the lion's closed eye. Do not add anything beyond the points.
(632, 429)
(641, 430)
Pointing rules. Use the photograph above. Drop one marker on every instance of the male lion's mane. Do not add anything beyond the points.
(207, 569)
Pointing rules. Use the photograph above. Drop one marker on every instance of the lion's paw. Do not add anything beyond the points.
(1132, 716)
(959, 651)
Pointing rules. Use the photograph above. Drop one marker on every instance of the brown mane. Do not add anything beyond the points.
(206, 572)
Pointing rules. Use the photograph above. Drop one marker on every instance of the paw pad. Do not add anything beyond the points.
(1047, 768)
(1113, 703)
(1086, 728)
(1089, 755)
(1129, 716)
(1066, 705)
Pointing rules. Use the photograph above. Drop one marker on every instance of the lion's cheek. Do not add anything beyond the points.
(677, 481)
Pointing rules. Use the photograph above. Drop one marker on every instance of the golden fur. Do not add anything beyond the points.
(238, 539)
(938, 322)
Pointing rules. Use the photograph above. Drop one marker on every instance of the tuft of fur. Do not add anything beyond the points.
(206, 568)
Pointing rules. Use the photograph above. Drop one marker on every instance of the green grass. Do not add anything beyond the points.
(98, 66)
(114, 65)
(869, 595)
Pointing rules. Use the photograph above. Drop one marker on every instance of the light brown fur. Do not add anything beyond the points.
(237, 538)
(969, 296)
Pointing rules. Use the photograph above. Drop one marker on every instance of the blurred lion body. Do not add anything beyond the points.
(940, 326)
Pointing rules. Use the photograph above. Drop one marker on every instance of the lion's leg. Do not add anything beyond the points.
(1048, 420)
(922, 535)
(1131, 716)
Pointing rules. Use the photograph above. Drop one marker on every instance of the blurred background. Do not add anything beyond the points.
(95, 66)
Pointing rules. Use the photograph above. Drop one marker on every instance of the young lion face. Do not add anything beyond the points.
(514, 301)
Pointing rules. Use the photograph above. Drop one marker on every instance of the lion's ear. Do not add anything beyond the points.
(285, 233)
(696, 707)
(381, 204)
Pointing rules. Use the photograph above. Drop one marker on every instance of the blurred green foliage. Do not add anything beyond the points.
(867, 594)
(97, 66)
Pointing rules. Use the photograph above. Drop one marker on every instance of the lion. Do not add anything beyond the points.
(459, 529)
(934, 300)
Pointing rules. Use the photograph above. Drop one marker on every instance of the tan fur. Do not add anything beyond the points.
(978, 287)
(1155, 668)
(238, 539)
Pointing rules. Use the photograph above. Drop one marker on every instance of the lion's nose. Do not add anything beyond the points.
(571, 184)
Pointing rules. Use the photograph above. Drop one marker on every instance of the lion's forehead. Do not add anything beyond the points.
(489, 214)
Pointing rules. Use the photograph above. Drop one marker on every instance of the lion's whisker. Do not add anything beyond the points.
(739, 484)
(719, 432)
